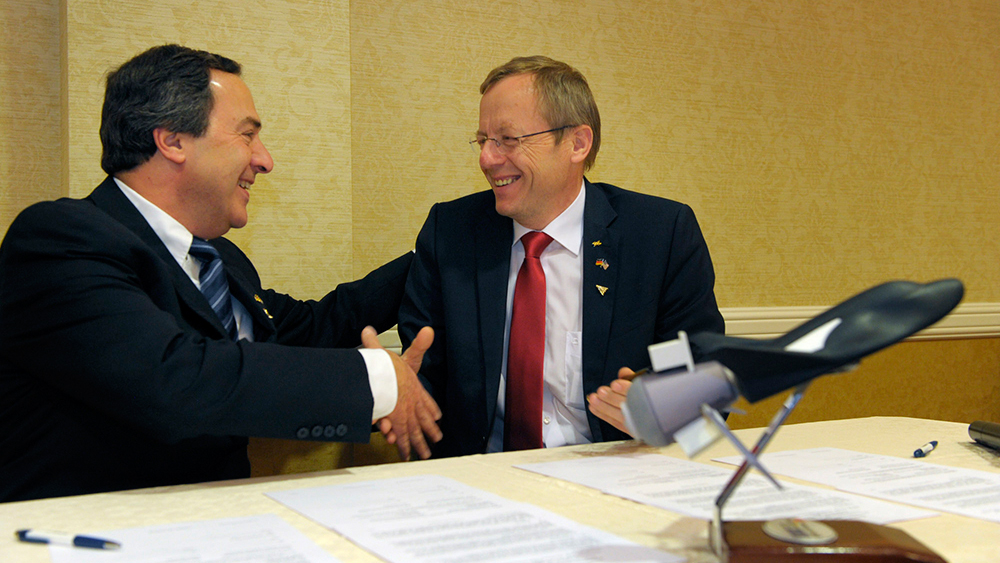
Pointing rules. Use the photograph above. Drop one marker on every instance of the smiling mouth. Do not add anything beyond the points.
(245, 185)
(504, 182)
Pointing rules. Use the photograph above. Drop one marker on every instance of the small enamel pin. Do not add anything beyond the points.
(596, 243)
(603, 263)
(602, 289)
(261, 301)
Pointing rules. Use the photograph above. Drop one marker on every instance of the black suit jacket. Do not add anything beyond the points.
(115, 373)
(659, 280)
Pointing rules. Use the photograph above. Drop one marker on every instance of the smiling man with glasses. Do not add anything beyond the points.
(541, 288)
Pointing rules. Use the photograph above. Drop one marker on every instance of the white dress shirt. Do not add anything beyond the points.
(177, 239)
(564, 409)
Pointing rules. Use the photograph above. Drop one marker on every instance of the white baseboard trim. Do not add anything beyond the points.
(968, 320)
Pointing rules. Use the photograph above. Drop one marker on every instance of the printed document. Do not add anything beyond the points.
(265, 538)
(691, 488)
(435, 519)
(916, 482)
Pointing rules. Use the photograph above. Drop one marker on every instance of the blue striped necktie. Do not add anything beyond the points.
(214, 285)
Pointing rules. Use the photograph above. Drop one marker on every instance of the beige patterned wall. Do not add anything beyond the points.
(826, 146)
(296, 57)
(31, 163)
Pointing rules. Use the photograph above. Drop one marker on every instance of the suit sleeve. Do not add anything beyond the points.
(423, 305)
(687, 297)
(92, 312)
(336, 320)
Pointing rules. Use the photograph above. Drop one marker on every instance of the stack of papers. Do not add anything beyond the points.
(917, 482)
(264, 538)
(691, 488)
(434, 519)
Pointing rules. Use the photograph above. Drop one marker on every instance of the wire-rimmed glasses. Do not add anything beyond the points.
(507, 144)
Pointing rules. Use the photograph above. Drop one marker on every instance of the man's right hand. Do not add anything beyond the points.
(413, 421)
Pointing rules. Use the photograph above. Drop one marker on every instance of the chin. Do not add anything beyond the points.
(504, 206)
(237, 223)
(504, 212)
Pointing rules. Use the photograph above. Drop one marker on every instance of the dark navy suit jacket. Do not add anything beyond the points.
(116, 374)
(659, 280)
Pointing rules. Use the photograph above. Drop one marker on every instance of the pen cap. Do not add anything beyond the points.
(658, 405)
(986, 433)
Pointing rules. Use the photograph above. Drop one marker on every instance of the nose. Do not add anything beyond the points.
(261, 160)
(490, 155)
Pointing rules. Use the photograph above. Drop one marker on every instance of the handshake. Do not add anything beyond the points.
(414, 420)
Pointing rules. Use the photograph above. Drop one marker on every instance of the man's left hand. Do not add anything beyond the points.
(606, 402)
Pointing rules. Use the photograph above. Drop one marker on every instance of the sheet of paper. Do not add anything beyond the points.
(917, 482)
(691, 488)
(261, 539)
(435, 519)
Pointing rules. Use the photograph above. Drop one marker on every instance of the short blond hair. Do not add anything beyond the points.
(564, 96)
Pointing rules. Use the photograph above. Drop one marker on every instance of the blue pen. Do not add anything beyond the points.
(59, 538)
(925, 449)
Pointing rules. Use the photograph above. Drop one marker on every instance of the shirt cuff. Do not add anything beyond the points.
(382, 379)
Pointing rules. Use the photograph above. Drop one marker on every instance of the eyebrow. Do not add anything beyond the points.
(251, 121)
(504, 129)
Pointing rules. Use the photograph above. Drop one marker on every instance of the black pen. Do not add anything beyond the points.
(59, 538)
(634, 375)
(925, 449)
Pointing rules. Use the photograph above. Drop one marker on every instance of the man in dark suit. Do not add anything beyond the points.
(126, 361)
(621, 271)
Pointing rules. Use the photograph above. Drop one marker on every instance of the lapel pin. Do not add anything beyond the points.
(602, 289)
(603, 263)
(261, 301)
(596, 243)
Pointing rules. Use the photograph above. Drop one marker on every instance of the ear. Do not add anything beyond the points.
(170, 145)
(583, 140)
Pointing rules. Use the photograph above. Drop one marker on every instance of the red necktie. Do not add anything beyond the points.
(522, 428)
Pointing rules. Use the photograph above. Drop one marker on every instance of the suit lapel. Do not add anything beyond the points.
(110, 199)
(246, 294)
(600, 288)
(492, 254)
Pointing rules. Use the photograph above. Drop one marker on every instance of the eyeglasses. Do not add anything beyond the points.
(507, 145)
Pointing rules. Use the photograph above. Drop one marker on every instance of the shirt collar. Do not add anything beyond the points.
(175, 236)
(566, 229)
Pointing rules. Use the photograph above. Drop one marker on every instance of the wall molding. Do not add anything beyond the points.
(968, 320)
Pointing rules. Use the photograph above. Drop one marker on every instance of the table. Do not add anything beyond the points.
(959, 539)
